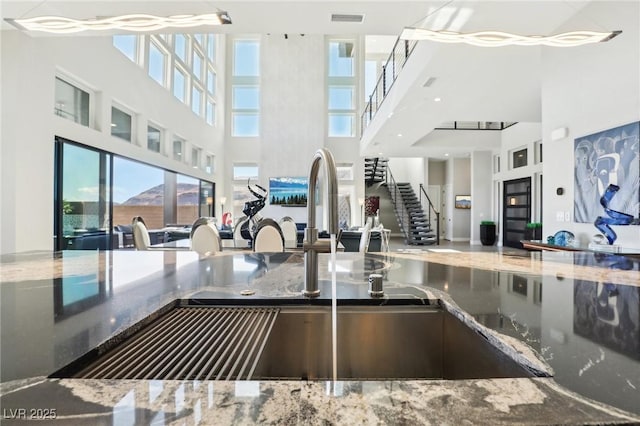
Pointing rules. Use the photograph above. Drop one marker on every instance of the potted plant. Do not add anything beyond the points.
(533, 231)
(487, 232)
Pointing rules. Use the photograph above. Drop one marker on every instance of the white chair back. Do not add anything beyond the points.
(268, 237)
(206, 239)
(290, 232)
(364, 238)
(141, 239)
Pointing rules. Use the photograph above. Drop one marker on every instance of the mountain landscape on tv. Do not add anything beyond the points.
(288, 191)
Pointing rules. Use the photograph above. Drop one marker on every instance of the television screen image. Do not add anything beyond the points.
(288, 191)
(463, 202)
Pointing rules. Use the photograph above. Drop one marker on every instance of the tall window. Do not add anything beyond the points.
(157, 63)
(211, 112)
(127, 44)
(71, 102)
(211, 82)
(180, 46)
(245, 114)
(245, 171)
(197, 65)
(187, 199)
(211, 48)
(185, 64)
(121, 124)
(179, 84)
(196, 100)
(341, 88)
(83, 210)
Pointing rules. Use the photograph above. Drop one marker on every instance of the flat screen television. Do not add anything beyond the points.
(288, 191)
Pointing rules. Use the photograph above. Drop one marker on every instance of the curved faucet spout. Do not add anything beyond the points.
(311, 244)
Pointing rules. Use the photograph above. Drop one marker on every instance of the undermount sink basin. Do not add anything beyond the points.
(293, 343)
(374, 342)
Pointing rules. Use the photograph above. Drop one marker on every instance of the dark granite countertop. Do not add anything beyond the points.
(576, 314)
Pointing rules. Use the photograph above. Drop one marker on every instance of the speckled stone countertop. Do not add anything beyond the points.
(576, 315)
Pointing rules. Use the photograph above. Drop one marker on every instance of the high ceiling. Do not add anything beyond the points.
(474, 84)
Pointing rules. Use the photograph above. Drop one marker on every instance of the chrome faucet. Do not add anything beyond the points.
(312, 245)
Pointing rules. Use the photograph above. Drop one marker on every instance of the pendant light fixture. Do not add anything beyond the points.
(499, 38)
(131, 22)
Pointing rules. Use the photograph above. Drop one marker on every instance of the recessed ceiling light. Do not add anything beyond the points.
(399, 135)
(114, 125)
(437, 99)
(446, 154)
(390, 114)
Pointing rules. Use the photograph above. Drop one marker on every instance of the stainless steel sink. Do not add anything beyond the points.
(285, 342)
(410, 342)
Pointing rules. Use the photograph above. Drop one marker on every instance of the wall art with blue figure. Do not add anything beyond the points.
(603, 159)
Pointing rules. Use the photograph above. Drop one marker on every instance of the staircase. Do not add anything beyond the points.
(411, 217)
(375, 170)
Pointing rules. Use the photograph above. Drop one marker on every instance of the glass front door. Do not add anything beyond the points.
(516, 212)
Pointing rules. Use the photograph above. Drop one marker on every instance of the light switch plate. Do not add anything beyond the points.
(559, 216)
(567, 216)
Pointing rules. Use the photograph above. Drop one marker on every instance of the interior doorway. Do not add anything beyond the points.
(516, 211)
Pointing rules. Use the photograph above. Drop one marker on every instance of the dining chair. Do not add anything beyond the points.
(289, 231)
(141, 239)
(205, 238)
(365, 237)
(268, 237)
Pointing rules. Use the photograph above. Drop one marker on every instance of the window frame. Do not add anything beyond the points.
(338, 81)
(83, 88)
(152, 125)
(128, 111)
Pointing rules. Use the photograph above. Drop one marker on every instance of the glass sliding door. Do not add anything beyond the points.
(187, 199)
(83, 198)
(138, 190)
(97, 194)
(206, 199)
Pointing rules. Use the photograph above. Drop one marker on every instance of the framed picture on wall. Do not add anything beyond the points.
(463, 202)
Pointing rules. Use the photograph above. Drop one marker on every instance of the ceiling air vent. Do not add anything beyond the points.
(341, 17)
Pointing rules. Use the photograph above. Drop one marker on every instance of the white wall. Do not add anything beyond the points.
(586, 90)
(481, 206)
(457, 222)
(412, 170)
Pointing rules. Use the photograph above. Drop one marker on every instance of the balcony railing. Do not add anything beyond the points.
(390, 70)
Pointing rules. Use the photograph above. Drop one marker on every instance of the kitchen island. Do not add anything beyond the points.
(574, 315)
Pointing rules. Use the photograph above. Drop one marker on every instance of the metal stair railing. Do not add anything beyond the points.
(398, 204)
(429, 210)
(402, 49)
